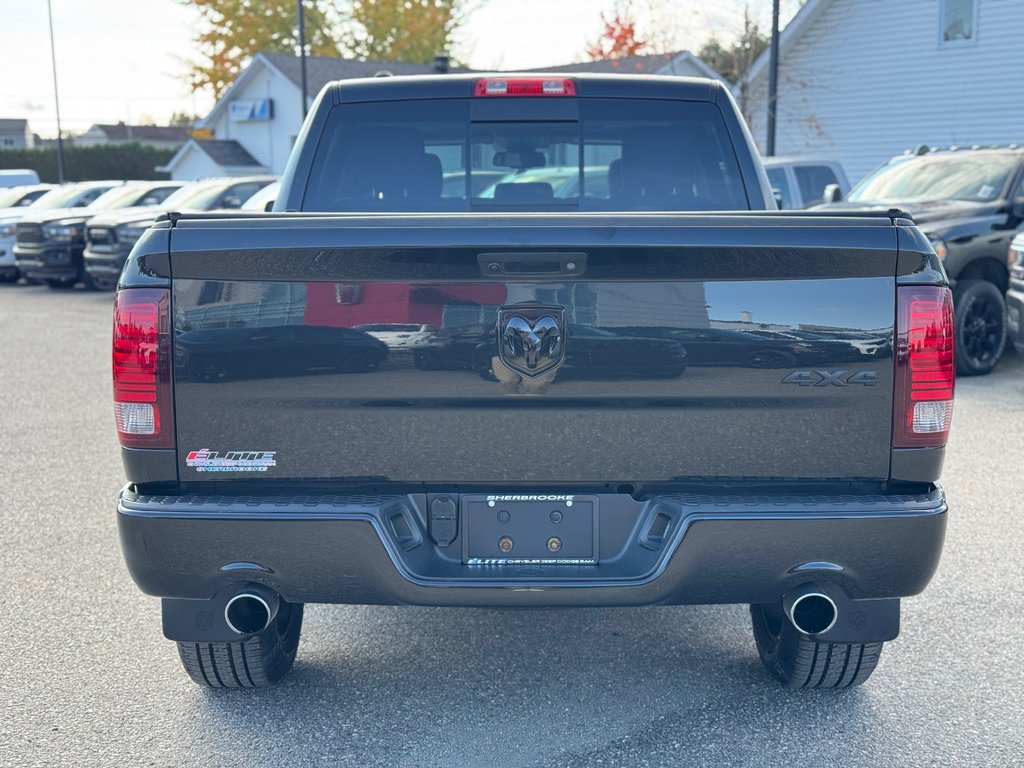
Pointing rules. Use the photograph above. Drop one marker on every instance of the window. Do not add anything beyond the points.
(777, 178)
(958, 19)
(812, 180)
(619, 155)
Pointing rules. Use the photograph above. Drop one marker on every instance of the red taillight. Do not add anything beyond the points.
(924, 367)
(525, 86)
(143, 400)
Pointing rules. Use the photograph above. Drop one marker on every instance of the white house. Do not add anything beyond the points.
(158, 136)
(253, 125)
(863, 80)
(15, 134)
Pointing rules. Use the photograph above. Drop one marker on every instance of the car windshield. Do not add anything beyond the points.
(16, 196)
(199, 195)
(123, 196)
(969, 176)
(62, 197)
(602, 155)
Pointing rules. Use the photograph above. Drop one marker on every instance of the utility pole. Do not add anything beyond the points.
(56, 99)
(302, 56)
(773, 80)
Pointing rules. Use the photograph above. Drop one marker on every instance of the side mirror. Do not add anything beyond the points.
(833, 194)
(1018, 209)
(777, 194)
(231, 201)
(269, 206)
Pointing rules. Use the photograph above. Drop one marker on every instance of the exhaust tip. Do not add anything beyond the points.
(813, 613)
(247, 613)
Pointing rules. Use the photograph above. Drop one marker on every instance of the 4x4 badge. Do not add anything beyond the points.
(531, 338)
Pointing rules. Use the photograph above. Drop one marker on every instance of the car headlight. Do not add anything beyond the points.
(8, 228)
(64, 233)
(939, 245)
(129, 233)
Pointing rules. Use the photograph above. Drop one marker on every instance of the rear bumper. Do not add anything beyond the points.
(343, 550)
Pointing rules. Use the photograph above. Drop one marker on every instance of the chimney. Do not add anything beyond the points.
(442, 62)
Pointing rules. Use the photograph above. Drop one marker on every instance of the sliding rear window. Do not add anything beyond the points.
(620, 155)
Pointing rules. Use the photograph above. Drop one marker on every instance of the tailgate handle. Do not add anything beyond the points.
(552, 264)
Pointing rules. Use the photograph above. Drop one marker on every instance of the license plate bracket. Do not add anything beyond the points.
(529, 529)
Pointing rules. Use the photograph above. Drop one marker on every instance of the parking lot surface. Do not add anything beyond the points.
(87, 679)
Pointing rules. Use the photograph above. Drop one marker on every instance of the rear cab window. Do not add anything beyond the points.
(611, 155)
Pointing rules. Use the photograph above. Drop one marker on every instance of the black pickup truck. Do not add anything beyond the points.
(649, 389)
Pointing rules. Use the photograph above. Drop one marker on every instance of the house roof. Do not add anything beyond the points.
(321, 70)
(122, 132)
(13, 125)
(649, 64)
(227, 153)
(804, 19)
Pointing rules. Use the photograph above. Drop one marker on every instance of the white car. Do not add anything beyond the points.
(800, 182)
(400, 336)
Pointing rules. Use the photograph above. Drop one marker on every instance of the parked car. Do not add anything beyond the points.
(809, 494)
(109, 237)
(264, 199)
(24, 196)
(400, 337)
(17, 177)
(1015, 295)
(969, 203)
(801, 182)
(50, 243)
(67, 196)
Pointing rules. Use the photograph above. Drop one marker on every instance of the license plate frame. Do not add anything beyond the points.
(531, 521)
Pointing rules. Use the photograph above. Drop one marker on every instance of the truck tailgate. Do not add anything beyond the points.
(551, 349)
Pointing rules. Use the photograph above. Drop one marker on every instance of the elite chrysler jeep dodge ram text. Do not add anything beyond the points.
(617, 394)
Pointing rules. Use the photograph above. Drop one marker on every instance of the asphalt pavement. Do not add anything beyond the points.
(87, 679)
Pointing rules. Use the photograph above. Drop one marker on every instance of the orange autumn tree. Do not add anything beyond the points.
(619, 38)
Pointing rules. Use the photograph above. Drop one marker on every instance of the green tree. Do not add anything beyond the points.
(233, 31)
(181, 120)
(400, 30)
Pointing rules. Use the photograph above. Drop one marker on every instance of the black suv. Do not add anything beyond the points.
(49, 244)
(970, 204)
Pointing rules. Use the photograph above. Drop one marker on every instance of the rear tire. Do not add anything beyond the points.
(979, 315)
(256, 663)
(796, 661)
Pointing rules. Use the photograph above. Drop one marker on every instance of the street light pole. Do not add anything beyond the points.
(773, 80)
(302, 56)
(56, 99)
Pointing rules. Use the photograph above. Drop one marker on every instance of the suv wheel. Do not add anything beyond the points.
(256, 663)
(798, 662)
(980, 319)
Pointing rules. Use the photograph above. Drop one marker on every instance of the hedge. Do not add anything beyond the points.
(111, 161)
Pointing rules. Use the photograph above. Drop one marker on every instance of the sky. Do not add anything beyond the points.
(124, 59)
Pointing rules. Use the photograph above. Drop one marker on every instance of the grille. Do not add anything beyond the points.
(30, 233)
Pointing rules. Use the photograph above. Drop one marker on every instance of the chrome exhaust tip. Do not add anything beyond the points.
(251, 611)
(813, 613)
